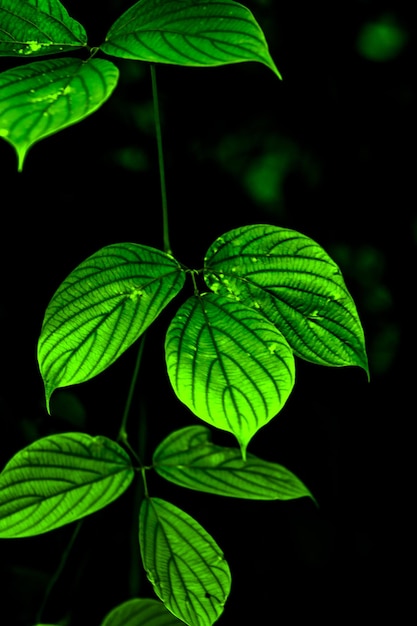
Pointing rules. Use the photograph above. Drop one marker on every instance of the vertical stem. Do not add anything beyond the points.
(167, 245)
(122, 436)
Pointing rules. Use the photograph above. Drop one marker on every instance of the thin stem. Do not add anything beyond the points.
(167, 245)
(122, 436)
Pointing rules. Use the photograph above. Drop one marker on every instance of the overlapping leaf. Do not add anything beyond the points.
(39, 99)
(228, 364)
(186, 567)
(37, 27)
(293, 282)
(59, 479)
(141, 612)
(188, 458)
(189, 32)
(101, 308)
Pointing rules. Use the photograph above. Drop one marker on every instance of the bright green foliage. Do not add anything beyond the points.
(59, 479)
(188, 458)
(37, 28)
(186, 32)
(228, 364)
(101, 308)
(41, 98)
(141, 611)
(290, 280)
(183, 562)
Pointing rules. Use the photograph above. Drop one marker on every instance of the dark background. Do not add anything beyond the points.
(329, 151)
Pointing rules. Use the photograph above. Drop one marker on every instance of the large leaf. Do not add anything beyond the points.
(228, 364)
(37, 28)
(141, 612)
(291, 280)
(39, 99)
(59, 479)
(186, 567)
(188, 32)
(101, 308)
(187, 457)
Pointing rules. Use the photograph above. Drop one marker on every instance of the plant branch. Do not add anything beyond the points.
(122, 436)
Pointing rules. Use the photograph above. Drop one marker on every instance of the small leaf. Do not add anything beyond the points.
(189, 32)
(101, 308)
(228, 364)
(37, 28)
(141, 612)
(188, 458)
(39, 99)
(59, 479)
(291, 280)
(186, 567)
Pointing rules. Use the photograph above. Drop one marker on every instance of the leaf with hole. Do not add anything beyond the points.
(293, 282)
(59, 479)
(228, 364)
(101, 308)
(42, 98)
(185, 565)
(188, 32)
(141, 611)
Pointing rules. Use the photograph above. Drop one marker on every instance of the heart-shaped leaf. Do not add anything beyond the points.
(228, 364)
(37, 28)
(185, 565)
(141, 612)
(101, 308)
(188, 458)
(39, 99)
(293, 282)
(59, 479)
(189, 32)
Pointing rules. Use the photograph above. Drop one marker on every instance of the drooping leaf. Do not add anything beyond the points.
(101, 308)
(141, 612)
(189, 32)
(293, 282)
(188, 458)
(38, 28)
(59, 479)
(41, 98)
(186, 567)
(228, 364)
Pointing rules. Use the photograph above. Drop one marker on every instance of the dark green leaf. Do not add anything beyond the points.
(186, 567)
(101, 308)
(141, 612)
(59, 479)
(189, 32)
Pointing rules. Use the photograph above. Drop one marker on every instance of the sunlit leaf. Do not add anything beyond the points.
(37, 28)
(59, 479)
(228, 364)
(39, 99)
(291, 280)
(101, 308)
(186, 567)
(141, 612)
(189, 32)
(187, 457)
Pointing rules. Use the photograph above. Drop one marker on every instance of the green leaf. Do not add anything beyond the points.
(186, 567)
(189, 32)
(140, 612)
(39, 99)
(37, 28)
(59, 479)
(188, 458)
(291, 280)
(228, 364)
(101, 308)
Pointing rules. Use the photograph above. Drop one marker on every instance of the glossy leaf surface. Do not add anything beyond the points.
(101, 308)
(37, 28)
(39, 99)
(293, 282)
(183, 562)
(141, 612)
(188, 32)
(188, 458)
(228, 364)
(59, 479)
